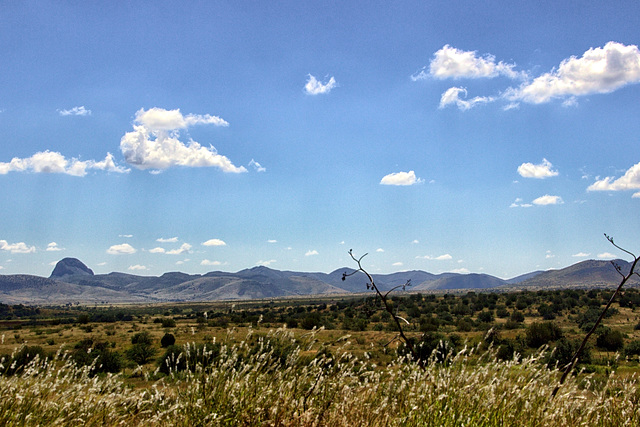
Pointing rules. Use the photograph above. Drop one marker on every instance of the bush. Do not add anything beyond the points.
(87, 352)
(25, 355)
(485, 316)
(564, 351)
(188, 357)
(540, 333)
(517, 316)
(431, 345)
(168, 322)
(142, 351)
(610, 339)
(632, 349)
(167, 340)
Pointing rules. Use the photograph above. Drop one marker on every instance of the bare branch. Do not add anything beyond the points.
(387, 305)
(624, 280)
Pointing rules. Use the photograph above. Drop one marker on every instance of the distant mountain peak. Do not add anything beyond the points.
(70, 267)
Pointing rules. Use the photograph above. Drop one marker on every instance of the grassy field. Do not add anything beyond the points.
(489, 359)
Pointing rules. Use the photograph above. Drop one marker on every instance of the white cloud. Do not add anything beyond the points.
(540, 171)
(452, 63)
(127, 236)
(257, 166)
(607, 255)
(443, 257)
(167, 240)
(548, 200)
(54, 162)
(636, 195)
(266, 263)
(53, 247)
(401, 178)
(311, 253)
(599, 70)
(214, 242)
(124, 248)
(518, 204)
(415, 242)
(16, 248)
(460, 270)
(314, 87)
(137, 267)
(208, 262)
(379, 250)
(75, 111)
(159, 119)
(397, 264)
(157, 250)
(272, 241)
(452, 97)
(154, 143)
(581, 255)
(629, 181)
(185, 247)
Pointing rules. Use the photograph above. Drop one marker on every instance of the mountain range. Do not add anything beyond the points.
(73, 282)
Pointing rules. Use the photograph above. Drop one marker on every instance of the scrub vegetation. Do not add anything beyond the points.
(485, 359)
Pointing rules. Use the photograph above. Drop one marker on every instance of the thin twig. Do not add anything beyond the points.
(625, 278)
(384, 298)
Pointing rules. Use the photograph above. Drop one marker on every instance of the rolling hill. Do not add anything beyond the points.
(73, 282)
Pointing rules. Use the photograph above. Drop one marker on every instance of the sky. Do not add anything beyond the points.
(462, 136)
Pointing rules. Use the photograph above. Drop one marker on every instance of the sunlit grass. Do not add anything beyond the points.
(276, 379)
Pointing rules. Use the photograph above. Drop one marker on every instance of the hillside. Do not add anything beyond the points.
(71, 281)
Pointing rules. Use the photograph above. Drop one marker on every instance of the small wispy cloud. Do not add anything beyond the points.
(311, 253)
(214, 242)
(581, 255)
(167, 240)
(75, 111)
(607, 255)
(184, 248)
(401, 178)
(137, 267)
(452, 97)
(123, 249)
(315, 87)
(539, 171)
(210, 263)
(53, 247)
(16, 248)
(266, 263)
(443, 257)
(548, 200)
(257, 166)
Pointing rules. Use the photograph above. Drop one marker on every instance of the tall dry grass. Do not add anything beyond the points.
(272, 380)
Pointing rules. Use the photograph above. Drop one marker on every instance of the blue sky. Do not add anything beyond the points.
(145, 137)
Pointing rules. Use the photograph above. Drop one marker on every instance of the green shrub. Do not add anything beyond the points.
(610, 339)
(26, 354)
(188, 357)
(167, 340)
(540, 333)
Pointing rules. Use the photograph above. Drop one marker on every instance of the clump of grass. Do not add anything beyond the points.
(273, 379)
